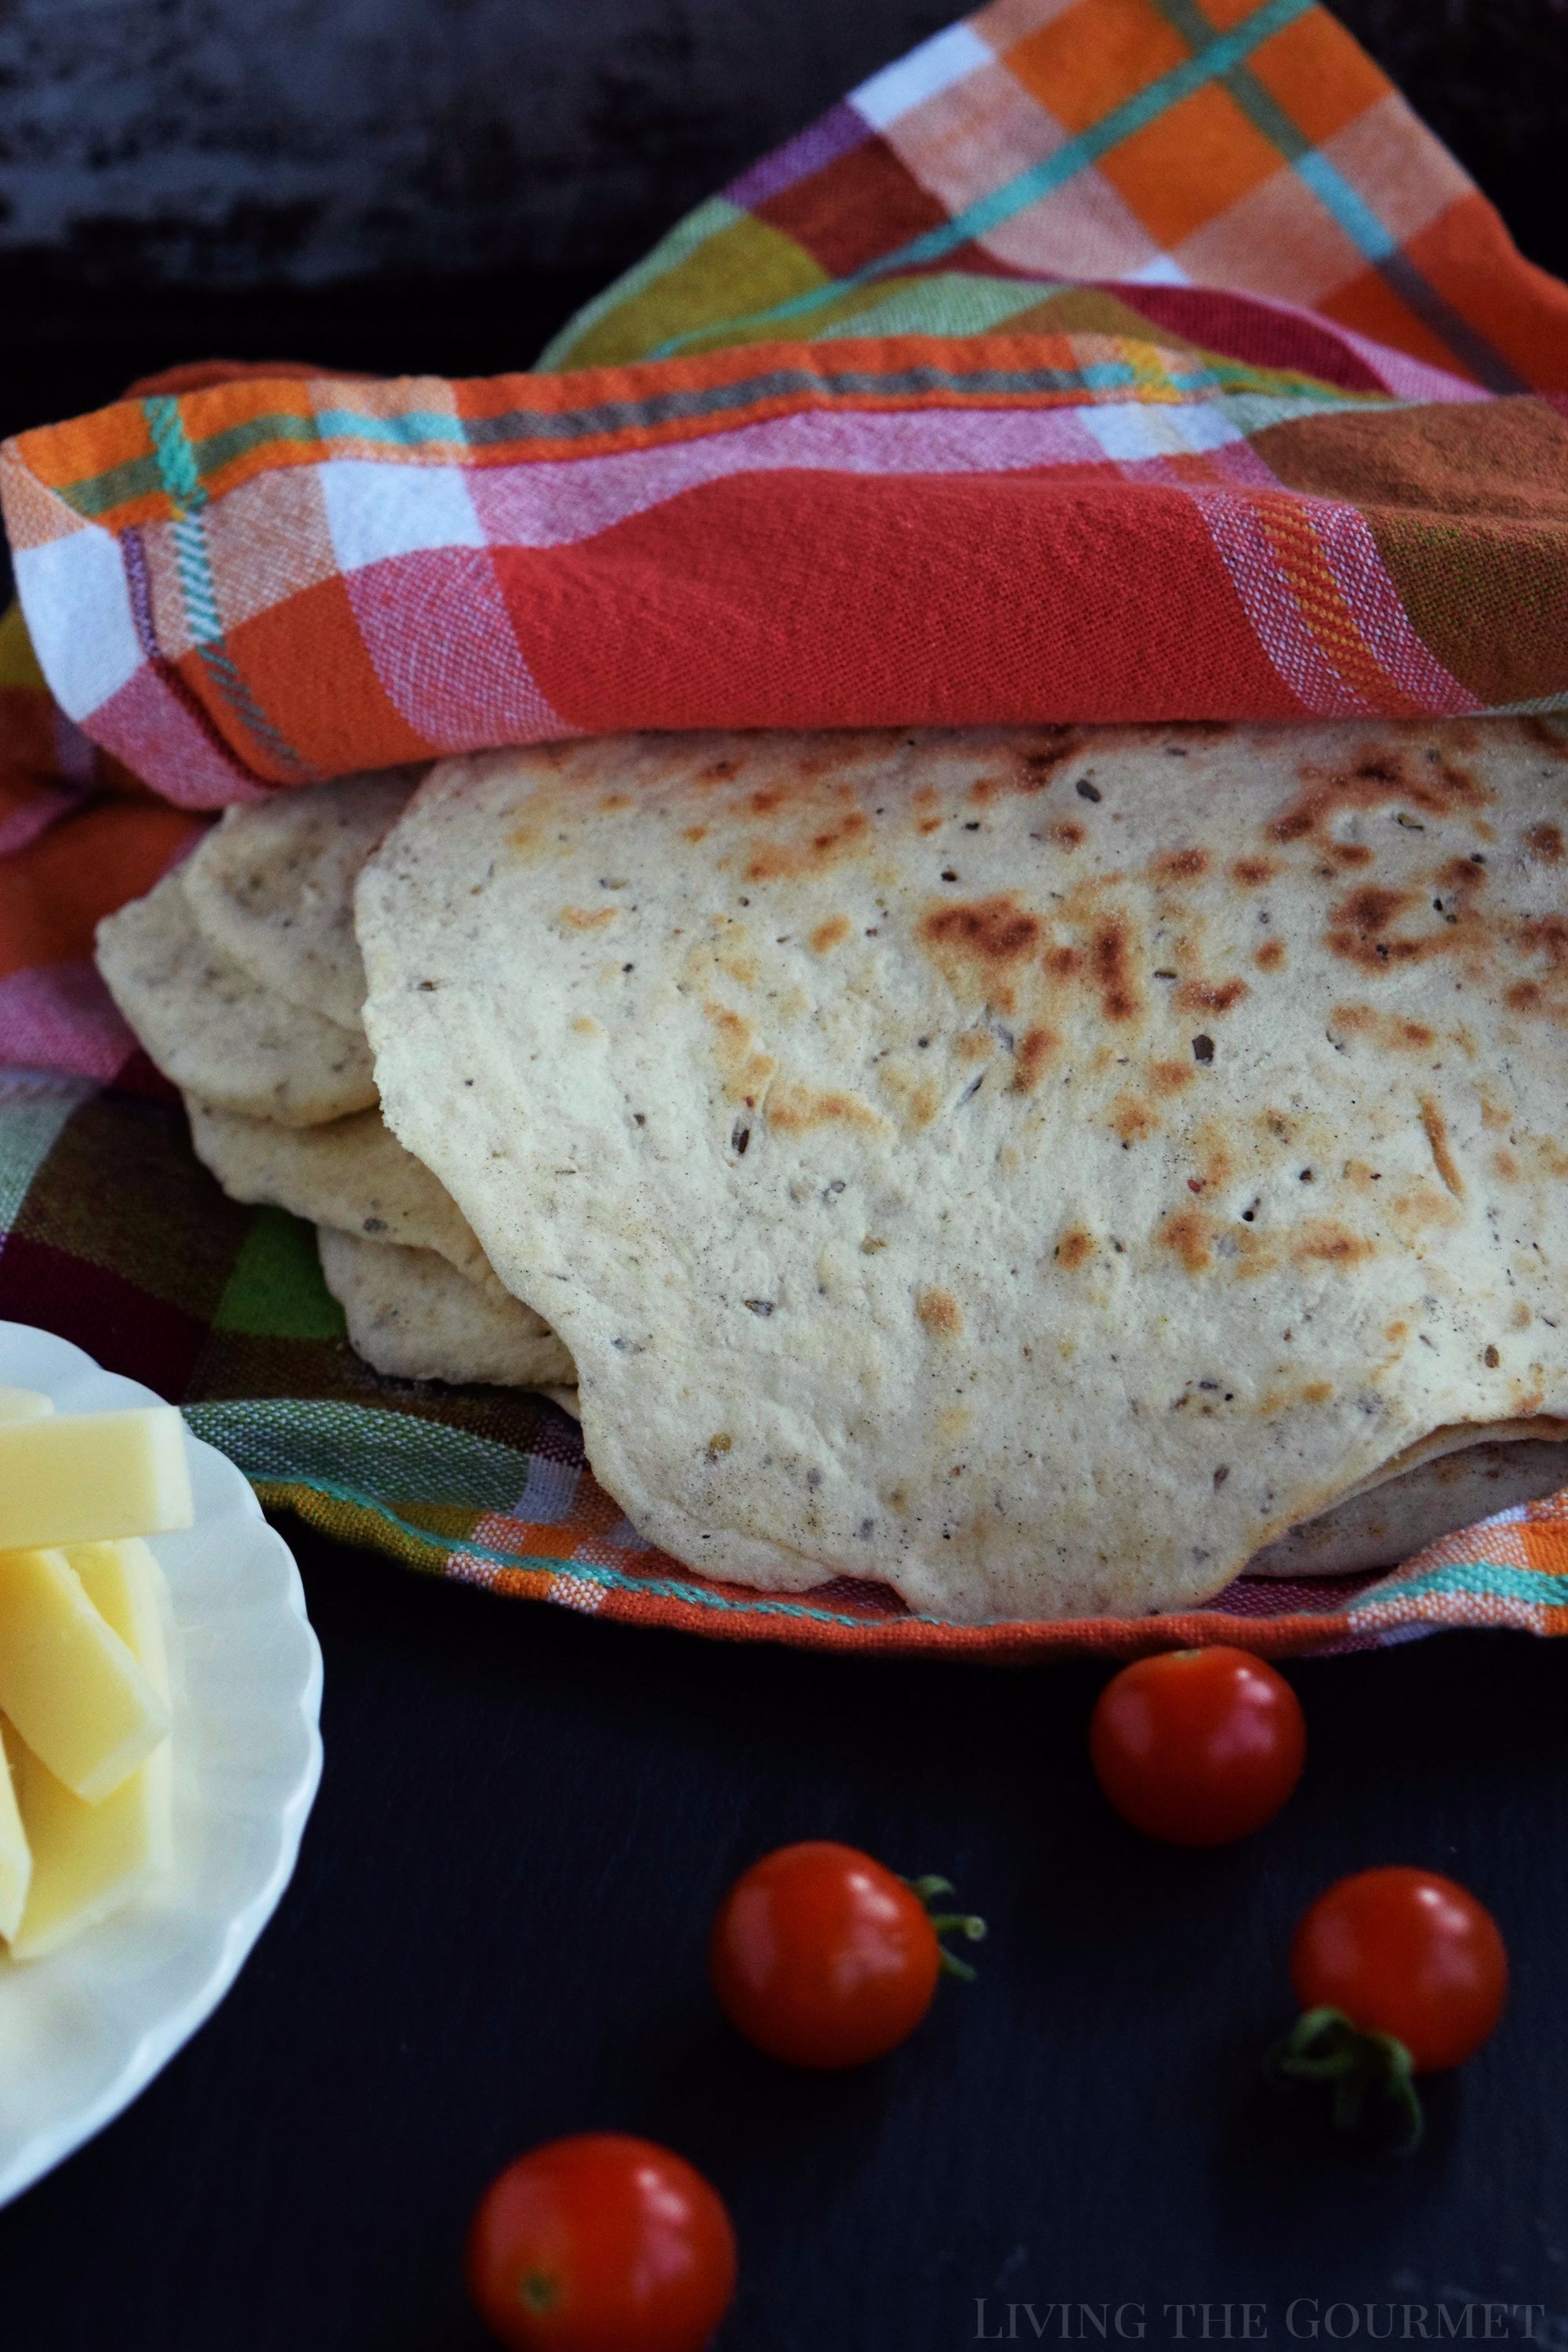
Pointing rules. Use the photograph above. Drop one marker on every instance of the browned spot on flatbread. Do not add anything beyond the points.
(1546, 937)
(1421, 1206)
(1069, 833)
(1436, 1130)
(745, 1071)
(1181, 864)
(977, 941)
(939, 1311)
(829, 932)
(1461, 874)
(1321, 1240)
(1189, 1234)
(795, 1110)
(1544, 844)
(1211, 1153)
(1364, 916)
(1133, 1119)
(1035, 1047)
(1361, 930)
(918, 1099)
(1505, 1167)
(1170, 1077)
(837, 839)
(1528, 996)
(1075, 1248)
(1427, 779)
(1211, 995)
(1027, 766)
(1271, 956)
(1252, 873)
(585, 918)
(1545, 738)
(1110, 959)
(1389, 1030)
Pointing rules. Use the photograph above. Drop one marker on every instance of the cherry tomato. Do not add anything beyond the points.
(601, 2244)
(824, 1959)
(1407, 1953)
(1197, 1747)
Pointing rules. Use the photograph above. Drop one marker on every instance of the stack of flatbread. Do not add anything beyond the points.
(1045, 1170)
(241, 975)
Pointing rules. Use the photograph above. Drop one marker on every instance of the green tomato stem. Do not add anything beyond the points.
(1323, 2046)
(948, 1923)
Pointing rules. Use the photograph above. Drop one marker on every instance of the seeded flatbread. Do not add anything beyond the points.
(1397, 1518)
(209, 1026)
(273, 887)
(1035, 1168)
(413, 1316)
(352, 1174)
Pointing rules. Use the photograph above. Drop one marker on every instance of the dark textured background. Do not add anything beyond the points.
(404, 184)
(496, 1934)
(497, 1929)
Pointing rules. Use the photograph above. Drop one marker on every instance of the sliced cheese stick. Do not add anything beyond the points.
(88, 1859)
(24, 1405)
(87, 1477)
(129, 1590)
(68, 1682)
(15, 1856)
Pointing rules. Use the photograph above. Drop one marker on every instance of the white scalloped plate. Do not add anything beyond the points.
(82, 2031)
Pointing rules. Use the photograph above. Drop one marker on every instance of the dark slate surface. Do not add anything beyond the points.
(497, 1934)
(216, 142)
(409, 184)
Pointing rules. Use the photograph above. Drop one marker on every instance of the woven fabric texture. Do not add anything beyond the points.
(1101, 360)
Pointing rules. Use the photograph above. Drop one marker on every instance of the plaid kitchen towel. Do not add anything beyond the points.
(1102, 359)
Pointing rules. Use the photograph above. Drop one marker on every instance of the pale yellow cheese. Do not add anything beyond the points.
(15, 1856)
(80, 1477)
(24, 1405)
(127, 1589)
(88, 1859)
(68, 1682)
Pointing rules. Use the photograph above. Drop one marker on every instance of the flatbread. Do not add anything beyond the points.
(1034, 1166)
(209, 1026)
(1399, 1517)
(352, 1174)
(413, 1316)
(272, 885)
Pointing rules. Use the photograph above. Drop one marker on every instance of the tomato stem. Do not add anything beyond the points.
(948, 1923)
(1323, 2046)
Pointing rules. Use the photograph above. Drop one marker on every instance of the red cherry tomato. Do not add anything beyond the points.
(824, 1959)
(1197, 1747)
(601, 2244)
(1407, 1953)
